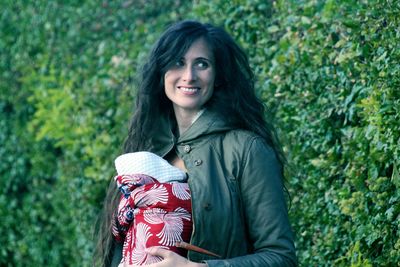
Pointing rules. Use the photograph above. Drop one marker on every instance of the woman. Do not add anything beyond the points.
(197, 108)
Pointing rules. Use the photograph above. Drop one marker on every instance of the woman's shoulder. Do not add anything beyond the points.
(242, 142)
(243, 137)
(240, 148)
(242, 134)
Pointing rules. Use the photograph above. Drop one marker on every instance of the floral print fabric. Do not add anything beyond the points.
(151, 213)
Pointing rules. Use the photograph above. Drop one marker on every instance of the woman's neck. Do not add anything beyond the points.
(185, 119)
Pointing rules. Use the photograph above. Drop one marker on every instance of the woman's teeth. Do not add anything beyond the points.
(189, 89)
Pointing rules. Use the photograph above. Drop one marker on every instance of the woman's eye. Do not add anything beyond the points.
(179, 63)
(202, 64)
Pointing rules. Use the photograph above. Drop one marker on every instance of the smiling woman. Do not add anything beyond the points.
(190, 83)
(196, 108)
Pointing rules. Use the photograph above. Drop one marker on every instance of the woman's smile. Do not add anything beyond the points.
(189, 90)
(189, 83)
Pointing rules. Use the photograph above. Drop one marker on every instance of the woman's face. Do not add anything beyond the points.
(189, 84)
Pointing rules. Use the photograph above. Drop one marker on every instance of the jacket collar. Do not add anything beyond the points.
(164, 140)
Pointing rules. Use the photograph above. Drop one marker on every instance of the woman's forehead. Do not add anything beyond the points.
(199, 49)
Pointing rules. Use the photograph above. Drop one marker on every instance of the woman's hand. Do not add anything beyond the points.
(170, 259)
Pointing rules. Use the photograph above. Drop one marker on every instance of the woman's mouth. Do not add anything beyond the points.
(189, 90)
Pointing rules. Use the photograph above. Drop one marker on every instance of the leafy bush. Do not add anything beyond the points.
(66, 95)
(328, 71)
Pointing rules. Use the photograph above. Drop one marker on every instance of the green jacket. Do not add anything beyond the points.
(238, 205)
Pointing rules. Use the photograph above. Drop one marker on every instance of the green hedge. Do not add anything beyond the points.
(328, 70)
(67, 76)
(334, 70)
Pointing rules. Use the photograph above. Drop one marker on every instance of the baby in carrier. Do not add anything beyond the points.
(154, 209)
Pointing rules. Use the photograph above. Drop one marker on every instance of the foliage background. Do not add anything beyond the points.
(328, 70)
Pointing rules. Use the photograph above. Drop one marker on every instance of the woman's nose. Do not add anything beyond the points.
(189, 74)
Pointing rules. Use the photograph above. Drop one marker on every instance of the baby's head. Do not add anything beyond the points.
(144, 164)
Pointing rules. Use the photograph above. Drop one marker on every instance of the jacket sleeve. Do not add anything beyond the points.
(265, 211)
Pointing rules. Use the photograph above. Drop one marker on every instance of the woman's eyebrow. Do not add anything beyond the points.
(198, 58)
(204, 58)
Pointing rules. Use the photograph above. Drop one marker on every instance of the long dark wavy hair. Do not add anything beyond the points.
(234, 98)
